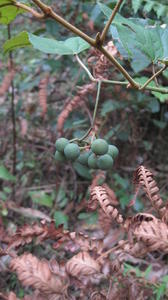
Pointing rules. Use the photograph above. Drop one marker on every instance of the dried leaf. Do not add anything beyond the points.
(82, 264)
(36, 273)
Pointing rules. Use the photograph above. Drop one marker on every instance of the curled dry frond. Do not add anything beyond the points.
(99, 63)
(86, 243)
(77, 101)
(99, 195)
(36, 273)
(43, 94)
(24, 235)
(154, 234)
(144, 178)
(82, 264)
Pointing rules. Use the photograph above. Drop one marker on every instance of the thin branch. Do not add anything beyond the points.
(119, 67)
(97, 102)
(153, 76)
(30, 10)
(13, 117)
(125, 83)
(106, 28)
(47, 10)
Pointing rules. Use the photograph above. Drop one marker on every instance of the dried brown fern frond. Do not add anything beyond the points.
(86, 243)
(143, 177)
(36, 273)
(154, 234)
(43, 94)
(24, 235)
(82, 264)
(99, 195)
(6, 83)
(77, 101)
(99, 63)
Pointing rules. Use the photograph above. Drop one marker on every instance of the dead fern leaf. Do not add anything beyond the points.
(43, 94)
(81, 265)
(36, 273)
(154, 234)
(86, 243)
(99, 195)
(77, 101)
(144, 178)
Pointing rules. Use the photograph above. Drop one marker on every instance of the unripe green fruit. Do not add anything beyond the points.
(113, 151)
(60, 144)
(105, 162)
(83, 158)
(99, 147)
(72, 151)
(59, 156)
(92, 161)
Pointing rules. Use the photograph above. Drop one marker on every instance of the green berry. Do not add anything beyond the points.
(59, 156)
(105, 162)
(92, 161)
(99, 146)
(60, 144)
(72, 151)
(83, 158)
(113, 151)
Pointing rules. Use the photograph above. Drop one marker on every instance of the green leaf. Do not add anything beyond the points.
(83, 171)
(20, 40)
(138, 34)
(70, 46)
(5, 175)
(136, 5)
(41, 198)
(8, 11)
(60, 218)
(109, 106)
(159, 124)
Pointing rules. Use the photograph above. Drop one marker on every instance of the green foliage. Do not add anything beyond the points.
(41, 198)
(61, 219)
(70, 46)
(8, 11)
(5, 175)
(148, 6)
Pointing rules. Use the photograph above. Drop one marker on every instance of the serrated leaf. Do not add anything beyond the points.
(5, 175)
(8, 11)
(70, 46)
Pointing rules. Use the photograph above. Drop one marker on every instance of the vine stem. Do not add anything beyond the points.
(125, 83)
(99, 82)
(13, 118)
(152, 77)
(106, 28)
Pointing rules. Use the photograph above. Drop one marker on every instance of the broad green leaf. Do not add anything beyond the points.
(41, 198)
(60, 218)
(109, 106)
(20, 40)
(70, 46)
(8, 11)
(138, 34)
(5, 175)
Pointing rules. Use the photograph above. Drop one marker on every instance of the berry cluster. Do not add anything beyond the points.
(99, 156)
